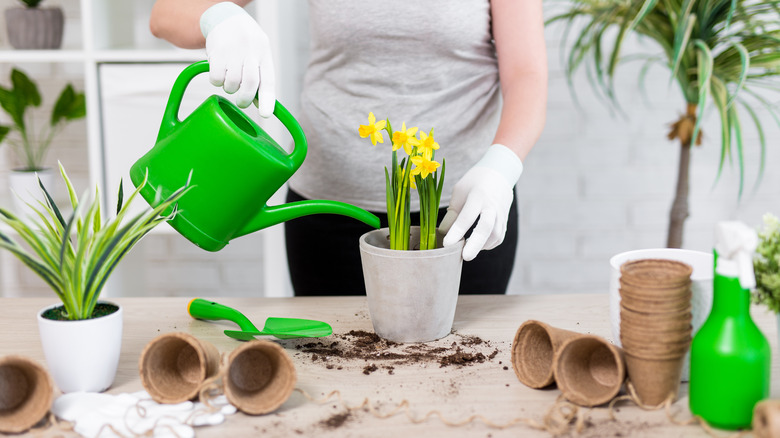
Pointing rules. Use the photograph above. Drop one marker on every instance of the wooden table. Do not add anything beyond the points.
(489, 388)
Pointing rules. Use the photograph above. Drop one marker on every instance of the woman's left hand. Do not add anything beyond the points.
(484, 193)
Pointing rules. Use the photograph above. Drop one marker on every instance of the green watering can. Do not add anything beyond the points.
(234, 167)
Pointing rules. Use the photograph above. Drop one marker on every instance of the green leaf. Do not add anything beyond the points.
(65, 239)
(761, 142)
(737, 128)
(70, 106)
(719, 95)
(704, 57)
(15, 109)
(25, 89)
(4, 130)
(681, 38)
(744, 58)
(120, 197)
(52, 205)
(74, 200)
(646, 8)
(31, 3)
(38, 268)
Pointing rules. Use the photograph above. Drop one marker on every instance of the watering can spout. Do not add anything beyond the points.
(274, 215)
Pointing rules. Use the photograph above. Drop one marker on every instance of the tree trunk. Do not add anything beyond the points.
(679, 211)
(682, 129)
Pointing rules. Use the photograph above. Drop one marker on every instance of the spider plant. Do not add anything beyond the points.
(76, 256)
(723, 54)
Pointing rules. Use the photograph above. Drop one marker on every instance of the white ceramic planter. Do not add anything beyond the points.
(25, 189)
(412, 295)
(701, 287)
(82, 355)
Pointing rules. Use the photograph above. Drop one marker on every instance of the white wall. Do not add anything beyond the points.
(595, 185)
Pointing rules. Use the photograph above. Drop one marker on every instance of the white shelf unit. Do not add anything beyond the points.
(115, 34)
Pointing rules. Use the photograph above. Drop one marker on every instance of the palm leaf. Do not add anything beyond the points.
(682, 36)
(737, 128)
(704, 57)
(761, 142)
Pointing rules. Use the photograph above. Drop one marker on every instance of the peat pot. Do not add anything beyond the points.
(701, 287)
(82, 355)
(411, 294)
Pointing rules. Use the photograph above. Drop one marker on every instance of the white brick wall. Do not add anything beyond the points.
(598, 184)
(595, 185)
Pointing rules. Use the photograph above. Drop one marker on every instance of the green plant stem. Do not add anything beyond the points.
(429, 189)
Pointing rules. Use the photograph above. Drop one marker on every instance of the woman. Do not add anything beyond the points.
(474, 70)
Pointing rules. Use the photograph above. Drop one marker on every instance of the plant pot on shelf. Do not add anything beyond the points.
(412, 294)
(24, 188)
(35, 28)
(82, 355)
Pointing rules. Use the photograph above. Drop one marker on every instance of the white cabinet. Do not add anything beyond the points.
(127, 75)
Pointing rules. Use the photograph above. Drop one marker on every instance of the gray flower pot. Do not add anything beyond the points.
(35, 28)
(412, 295)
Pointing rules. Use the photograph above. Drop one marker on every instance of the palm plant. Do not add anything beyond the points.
(76, 256)
(721, 53)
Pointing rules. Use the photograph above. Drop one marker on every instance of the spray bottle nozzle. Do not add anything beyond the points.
(736, 244)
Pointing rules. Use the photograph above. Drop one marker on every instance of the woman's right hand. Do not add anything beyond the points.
(239, 55)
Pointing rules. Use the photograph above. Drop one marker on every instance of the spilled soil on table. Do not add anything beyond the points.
(381, 354)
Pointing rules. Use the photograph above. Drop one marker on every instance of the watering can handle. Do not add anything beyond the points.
(171, 114)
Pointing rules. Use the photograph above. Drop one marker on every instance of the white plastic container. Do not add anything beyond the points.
(82, 355)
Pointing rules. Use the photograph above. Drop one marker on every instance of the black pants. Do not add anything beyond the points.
(324, 257)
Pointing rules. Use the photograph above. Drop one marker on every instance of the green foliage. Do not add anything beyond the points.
(721, 53)
(767, 265)
(31, 146)
(76, 256)
(31, 3)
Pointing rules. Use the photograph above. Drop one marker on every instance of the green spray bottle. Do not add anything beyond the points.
(730, 357)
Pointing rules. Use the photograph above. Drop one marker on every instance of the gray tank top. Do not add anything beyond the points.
(429, 63)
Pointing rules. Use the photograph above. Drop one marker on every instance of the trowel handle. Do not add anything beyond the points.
(199, 308)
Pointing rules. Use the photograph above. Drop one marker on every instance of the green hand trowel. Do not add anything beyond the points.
(282, 328)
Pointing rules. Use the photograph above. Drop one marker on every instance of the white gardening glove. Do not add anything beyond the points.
(485, 191)
(136, 414)
(239, 55)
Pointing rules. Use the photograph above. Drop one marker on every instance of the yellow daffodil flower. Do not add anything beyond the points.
(373, 130)
(402, 176)
(427, 145)
(405, 138)
(423, 166)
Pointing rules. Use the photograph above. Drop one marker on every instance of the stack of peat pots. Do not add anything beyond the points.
(655, 325)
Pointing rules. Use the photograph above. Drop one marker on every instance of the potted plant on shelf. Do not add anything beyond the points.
(30, 146)
(81, 337)
(32, 27)
(722, 54)
(766, 265)
(411, 281)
